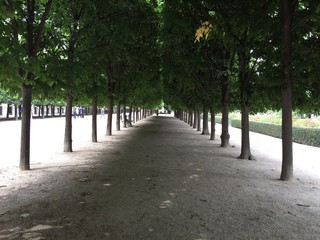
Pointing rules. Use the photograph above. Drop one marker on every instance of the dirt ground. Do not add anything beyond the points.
(160, 179)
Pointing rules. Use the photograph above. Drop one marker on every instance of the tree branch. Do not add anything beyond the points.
(93, 48)
(41, 26)
(30, 22)
(226, 20)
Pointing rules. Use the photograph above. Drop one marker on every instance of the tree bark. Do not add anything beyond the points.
(245, 139)
(110, 113)
(198, 121)
(16, 112)
(286, 15)
(182, 115)
(130, 113)
(225, 136)
(25, 128)
(205, 127)
(213, 123)
(190, 118)
(42, 111)
(8, 106)
(244, 101)
(118, 115)
(94, 137)
(195, 119)
(124, 114)
(67, 147)
(137, 114)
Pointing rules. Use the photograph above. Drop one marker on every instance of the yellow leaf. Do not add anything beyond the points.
(203, 31)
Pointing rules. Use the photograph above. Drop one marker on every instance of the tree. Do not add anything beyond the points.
(69, 33)
(287, 9)
(25, 27)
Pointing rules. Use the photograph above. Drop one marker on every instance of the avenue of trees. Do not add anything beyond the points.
(251, 56)
(81, 52)
(196, 56)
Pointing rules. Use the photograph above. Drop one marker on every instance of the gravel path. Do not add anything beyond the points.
(161, 180)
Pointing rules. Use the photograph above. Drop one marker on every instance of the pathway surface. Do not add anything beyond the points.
(160, 179)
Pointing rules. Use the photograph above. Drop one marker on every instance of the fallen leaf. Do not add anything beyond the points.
(85, 179)
(25, 215)
(303, 205)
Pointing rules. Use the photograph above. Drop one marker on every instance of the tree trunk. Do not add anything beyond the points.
(118, 115)
(25, 128)
(181, 115)
(8, 112)
(67, 147)
(130, 113)
(198, 121)
(137, 114)
(124, 114)
(245, 139)
(16, 112)
(187, 117)
(225, 136)
(190, 118)
(94, 137)
(205, 127)
(42, 111)
(213, 123)
(32, 45)
(110, 113)
(195, 119)
(286, 14)
(244, 101)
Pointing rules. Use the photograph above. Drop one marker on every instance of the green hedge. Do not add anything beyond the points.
(303, 135)
(308, 136)
(270, 129)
